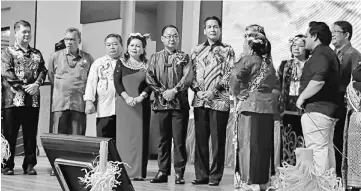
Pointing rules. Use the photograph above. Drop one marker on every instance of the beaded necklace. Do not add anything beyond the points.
(134, 65)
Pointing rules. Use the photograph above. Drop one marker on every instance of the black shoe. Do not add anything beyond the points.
(212, 183)
(30, 170)
(198, 182)
(52, 173)
(8, 171)
(161, 177)
(179, 179)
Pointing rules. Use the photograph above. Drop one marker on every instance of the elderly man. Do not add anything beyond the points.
(68, 74)
(22, 72)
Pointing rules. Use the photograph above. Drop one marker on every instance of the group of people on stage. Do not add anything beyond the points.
(320, 100)
(316, 94)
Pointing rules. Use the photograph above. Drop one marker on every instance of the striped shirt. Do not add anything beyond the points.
(212, 65)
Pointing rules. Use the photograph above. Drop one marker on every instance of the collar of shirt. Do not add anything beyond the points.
(343, 49)
(217, 43)
(167, 53)
(80, 53)
(107, 57)
(18, 47)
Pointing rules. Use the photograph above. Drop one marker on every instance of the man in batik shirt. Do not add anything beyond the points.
(68, 74)
(23, 72)
(166, 76)
(212, 64)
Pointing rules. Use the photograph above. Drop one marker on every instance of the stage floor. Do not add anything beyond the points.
(44, 182)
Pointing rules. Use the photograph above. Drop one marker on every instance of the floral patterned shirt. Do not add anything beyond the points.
(68, 75)
(19, 68)
(212, 65)
(167, 71)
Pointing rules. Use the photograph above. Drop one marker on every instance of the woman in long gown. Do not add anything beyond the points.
(254, 81)
(289, 74)
(351, 163)
(133, 107)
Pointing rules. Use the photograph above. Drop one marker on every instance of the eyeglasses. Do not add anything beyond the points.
(170, 37)
(69, 39)
(333, 32)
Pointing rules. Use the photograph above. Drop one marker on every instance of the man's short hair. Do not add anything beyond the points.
(23, 23)
(213, 18)
(322, 31)
(117, 36)
(73, 29)
(345, 26)
(169, 26)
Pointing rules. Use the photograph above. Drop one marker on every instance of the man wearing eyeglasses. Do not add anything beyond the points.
(68, 74)
(22, 73)
(349, 57)
(212, 63)
(166, 75)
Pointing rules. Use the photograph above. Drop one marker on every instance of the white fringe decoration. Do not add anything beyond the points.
(243, 186)
(103, 181)
(303, 177)
(5, 149)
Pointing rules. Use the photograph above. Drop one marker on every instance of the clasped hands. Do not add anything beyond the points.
(31, 89)
(169, 94)
(205, 95)
(132, 101)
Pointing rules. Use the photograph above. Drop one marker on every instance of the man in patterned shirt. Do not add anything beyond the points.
(22, 72)
(212, 63)
(166, 75)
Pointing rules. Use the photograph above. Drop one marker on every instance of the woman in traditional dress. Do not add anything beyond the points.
(289, 74)
(133, 107)
(275, 160)
(253, 82)
(351, 163)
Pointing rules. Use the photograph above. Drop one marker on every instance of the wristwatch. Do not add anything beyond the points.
(39, 83)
